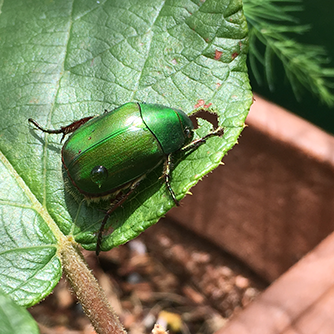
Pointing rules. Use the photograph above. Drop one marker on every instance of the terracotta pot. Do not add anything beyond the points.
(272, 201)
(270, 204)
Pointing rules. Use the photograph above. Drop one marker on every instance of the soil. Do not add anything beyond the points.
(167, 276)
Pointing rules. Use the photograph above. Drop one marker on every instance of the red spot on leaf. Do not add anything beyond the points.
(234, 55)
(199, 104)
(218, 54)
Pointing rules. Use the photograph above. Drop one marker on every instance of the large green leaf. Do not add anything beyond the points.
(63, 60)
(14, 319)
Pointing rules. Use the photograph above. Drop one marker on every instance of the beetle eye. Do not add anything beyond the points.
(99, 175)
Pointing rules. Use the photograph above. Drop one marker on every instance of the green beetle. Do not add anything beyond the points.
(108, 155)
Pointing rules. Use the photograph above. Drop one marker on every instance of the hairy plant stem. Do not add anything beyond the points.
(88, 291)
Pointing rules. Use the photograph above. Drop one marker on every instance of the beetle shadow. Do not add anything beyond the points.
(50, 146)
(87, 215)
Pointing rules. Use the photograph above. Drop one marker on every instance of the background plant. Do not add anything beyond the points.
(288, 44)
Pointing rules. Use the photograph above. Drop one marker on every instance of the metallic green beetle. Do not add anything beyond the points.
(113, 152)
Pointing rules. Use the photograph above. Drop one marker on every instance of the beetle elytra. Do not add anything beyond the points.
(110, 154)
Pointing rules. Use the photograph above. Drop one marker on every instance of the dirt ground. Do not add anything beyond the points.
(168, 276)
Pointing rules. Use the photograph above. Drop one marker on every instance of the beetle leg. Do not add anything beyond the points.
(119, 200)
(166, 175)
(198, 142)
(191, 146)
(63, 129)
